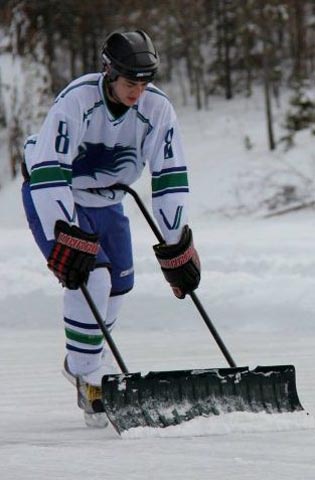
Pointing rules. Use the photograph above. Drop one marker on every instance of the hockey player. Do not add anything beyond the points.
(101, 130)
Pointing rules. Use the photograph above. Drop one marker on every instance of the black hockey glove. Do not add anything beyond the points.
(73, 255)
(180, 264)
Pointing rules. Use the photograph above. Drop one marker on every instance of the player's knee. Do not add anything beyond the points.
(122, 282)
(100, 282)
(114, 306)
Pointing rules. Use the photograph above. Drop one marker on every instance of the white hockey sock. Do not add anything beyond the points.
(114, 305)
(84, 338)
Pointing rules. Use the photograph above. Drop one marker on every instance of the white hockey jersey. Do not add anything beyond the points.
(82, 150)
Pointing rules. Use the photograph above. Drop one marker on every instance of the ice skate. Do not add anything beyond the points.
(89, 394)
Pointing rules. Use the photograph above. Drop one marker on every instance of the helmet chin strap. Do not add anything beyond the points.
(110, 91)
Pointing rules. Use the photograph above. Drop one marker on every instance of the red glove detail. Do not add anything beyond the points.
(73, 255)
(180, 264)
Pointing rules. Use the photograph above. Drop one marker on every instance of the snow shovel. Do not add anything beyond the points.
(166, 398)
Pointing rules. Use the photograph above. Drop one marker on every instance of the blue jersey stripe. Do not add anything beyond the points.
(52, 163)
(169, 170)
(49, 185)
(90, 110)
(170, 190)
(158, 92)
(29, 142)
(93, 83)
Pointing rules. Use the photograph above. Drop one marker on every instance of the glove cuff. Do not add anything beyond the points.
(73, 237)
(176, 262)
(78, 244)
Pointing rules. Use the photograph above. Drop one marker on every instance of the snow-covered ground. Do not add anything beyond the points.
(258, 287)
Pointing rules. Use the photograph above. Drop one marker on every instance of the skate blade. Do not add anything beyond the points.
(96, 420)
(71, 378)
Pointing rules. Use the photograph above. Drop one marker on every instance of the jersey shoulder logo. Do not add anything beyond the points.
(168, 150)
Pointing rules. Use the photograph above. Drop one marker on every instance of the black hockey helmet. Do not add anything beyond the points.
(130, 54)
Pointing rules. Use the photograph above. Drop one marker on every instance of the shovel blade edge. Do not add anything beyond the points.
(166, 398)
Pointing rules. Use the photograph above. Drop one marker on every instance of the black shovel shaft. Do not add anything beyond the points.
(104, 329)
(139, 202)
(212, 329)
(193, 296)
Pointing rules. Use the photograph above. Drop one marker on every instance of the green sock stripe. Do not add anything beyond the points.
(83, 337)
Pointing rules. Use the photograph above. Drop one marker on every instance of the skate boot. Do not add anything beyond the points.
(89, 395)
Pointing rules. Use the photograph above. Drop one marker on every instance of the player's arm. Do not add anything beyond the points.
(74, 251)
(50, 167)
(177, 256)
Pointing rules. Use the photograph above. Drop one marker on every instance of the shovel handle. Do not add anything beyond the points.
(195, 299)
(212, 329)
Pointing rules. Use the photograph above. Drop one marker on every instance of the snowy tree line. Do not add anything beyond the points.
(207, 47)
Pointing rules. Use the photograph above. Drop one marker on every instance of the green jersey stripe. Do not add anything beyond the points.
(50, 174)
(169, 180)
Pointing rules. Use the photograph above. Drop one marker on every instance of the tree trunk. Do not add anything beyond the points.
(299, 39)
(268, 108)
(227, 52)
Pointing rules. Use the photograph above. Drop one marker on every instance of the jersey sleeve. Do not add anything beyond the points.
(169, 178)
(49, 162)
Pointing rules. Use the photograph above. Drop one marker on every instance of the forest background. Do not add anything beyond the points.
(208, 49)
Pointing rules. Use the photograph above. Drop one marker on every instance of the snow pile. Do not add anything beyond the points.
(231, 423)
